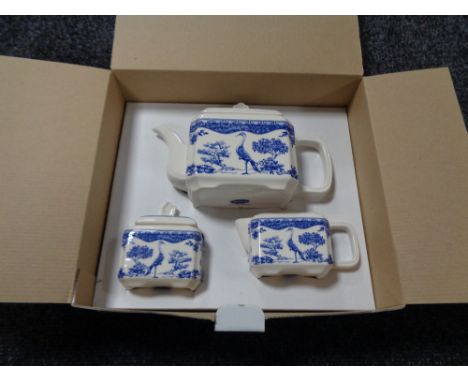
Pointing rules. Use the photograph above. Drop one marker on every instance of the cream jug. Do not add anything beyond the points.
(293, 244)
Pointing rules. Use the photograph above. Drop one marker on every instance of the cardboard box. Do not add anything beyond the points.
(60, 127)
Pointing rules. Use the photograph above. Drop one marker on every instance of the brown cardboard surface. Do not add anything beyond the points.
(422, 153)
(380, 246)
(98, 199)
(254, 59)
(231, 88)
(50, 125)
(253, 44)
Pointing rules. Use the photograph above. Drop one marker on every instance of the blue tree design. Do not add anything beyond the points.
(213, 154)
(261, 260)
(272, 247)
(136, 253)
(199, 169)
(140, 252)
(179, 260)
(194, 244)
(315, 240)
(138, 269)
(272, 146)
(271, 166)
(189, 274)
(311, 238)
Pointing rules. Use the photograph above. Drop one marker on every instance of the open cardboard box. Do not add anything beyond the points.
(60, 126)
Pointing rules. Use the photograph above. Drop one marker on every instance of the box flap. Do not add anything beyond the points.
(50, 121)
(422, 152)
(254, 44)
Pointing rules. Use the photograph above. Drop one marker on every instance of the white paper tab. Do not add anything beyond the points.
(240, 318)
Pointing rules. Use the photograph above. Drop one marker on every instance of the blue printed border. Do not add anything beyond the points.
(168, 235)
(228, 126)
(282, 223)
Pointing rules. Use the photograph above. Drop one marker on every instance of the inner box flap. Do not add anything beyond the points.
(50, 124)
(422, 152)
(293, 44)
(294, 60)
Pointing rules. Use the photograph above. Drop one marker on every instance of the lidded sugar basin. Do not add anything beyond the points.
(162, 251)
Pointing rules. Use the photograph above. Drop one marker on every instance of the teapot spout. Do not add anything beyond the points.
(177, 157)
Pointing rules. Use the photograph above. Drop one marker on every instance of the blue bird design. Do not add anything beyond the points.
(293, 247)
(244, 155)
(157, 262)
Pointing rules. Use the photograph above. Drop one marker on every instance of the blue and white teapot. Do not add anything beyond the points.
(240, 157)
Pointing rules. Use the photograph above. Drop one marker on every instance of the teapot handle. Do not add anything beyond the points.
(319, 192)
(347, 228)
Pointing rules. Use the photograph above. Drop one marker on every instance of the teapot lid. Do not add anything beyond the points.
(240, 110)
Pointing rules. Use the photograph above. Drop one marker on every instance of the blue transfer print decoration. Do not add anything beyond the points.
(213, 155)
(293, 173)
(200, 169)
(140, 252)
(229, 126)
(298, 240)
(262, 156)
(161, 256)
(169, 236)
(196, 134)
(257, 225)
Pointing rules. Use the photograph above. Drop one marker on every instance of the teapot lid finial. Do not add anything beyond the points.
(240, 105)
(169, 209)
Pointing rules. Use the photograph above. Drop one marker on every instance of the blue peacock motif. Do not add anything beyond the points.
(163, 255)
(303, 240)
(244, 155)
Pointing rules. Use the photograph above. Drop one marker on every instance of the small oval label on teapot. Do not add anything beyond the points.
(240, 201)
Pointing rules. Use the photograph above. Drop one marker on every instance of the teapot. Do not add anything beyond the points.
(240, 157)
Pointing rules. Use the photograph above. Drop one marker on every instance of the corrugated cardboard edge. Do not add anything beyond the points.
(380, 247)
(99, 194)
(422, 149)
(233, 87)
(211, 315)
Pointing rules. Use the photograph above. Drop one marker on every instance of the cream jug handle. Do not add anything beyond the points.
(319, 192)
(177, 157)
(347, 228)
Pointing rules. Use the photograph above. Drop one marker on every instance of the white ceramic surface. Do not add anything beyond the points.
(240, 157)
(294, 244)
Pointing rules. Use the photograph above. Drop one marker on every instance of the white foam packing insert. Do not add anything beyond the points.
(141, 187)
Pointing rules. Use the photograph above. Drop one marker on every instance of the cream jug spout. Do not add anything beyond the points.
(242, 226)
(177, 157)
